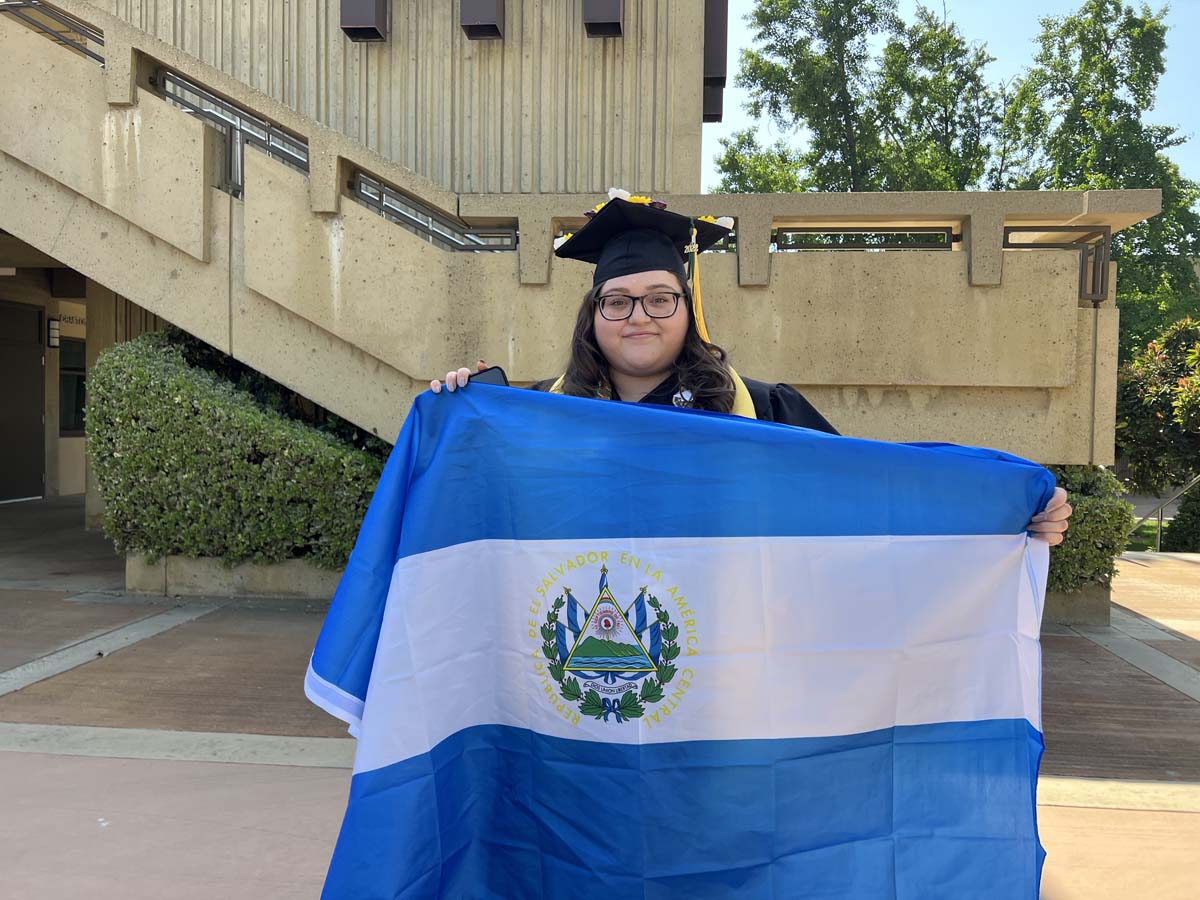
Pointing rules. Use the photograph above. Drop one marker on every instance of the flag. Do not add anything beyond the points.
(604, 650)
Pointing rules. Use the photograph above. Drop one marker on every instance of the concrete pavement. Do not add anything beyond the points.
(167, 749)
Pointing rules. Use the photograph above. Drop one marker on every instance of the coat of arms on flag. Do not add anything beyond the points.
(610, 661)
(772, 663)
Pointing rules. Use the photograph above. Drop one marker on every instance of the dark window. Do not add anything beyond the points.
(70, 387)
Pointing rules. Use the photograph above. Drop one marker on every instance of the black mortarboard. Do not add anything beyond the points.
(624, 238)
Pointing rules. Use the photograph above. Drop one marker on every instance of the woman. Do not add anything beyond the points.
(640, 335)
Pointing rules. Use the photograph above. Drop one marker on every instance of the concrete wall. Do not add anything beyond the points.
(546, 109)
(72, 465)
(118, 156)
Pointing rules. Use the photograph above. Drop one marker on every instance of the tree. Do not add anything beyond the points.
(1158, 409)
(811, 68)
(1078, 118)
(918, 116)
(1158, 424)
(1017, 141)
(748, 168)
(935, 106)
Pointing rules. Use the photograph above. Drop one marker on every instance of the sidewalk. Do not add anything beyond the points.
(153, 749)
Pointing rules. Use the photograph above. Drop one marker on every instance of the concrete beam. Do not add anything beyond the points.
(120, 72)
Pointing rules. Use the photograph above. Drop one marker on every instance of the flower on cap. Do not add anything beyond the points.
(559, 241)
(620, 194)
(724, 221)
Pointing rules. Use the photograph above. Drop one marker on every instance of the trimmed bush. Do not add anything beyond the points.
(188, 464)
(1184, 534)
(1099, 528)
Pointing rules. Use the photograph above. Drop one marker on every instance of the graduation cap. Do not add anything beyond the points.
(629, 235)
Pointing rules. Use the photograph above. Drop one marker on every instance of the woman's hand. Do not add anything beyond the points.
(456, 379)
(1050, 524)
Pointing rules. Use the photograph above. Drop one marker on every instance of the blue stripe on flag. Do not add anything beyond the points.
(550, 468)
(560, 640)
(572, 613)
(639, 607)
(924, 812)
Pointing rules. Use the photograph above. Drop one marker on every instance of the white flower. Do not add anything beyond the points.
(560, 240)
(614, 193)
(725, 222)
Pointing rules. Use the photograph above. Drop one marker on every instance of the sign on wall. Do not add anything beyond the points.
(72, 318)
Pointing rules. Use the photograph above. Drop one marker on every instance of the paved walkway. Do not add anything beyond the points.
(1144, 504)
(153, 749)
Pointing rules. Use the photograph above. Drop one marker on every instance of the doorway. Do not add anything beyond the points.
(22, 402)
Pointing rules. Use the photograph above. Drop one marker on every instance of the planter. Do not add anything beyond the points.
(183, 575)
(1089, 606)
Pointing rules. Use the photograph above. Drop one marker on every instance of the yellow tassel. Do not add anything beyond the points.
(697, 307)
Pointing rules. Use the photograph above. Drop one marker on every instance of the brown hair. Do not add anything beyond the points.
(700, 366)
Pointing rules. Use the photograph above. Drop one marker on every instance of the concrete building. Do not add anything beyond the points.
(353, 218)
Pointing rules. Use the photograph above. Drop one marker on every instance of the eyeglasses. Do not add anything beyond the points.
(619, 307)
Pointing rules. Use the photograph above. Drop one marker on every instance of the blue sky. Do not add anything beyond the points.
(1008, 29)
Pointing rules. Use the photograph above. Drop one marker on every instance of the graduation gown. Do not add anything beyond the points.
(772, 402)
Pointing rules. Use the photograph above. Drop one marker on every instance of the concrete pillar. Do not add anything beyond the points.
(50, 408)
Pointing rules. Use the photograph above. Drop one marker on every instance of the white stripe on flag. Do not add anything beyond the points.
(779, 637)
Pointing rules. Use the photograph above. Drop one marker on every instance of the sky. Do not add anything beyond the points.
(1008, 29)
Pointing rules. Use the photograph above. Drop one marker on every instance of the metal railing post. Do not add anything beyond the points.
(1158, 510)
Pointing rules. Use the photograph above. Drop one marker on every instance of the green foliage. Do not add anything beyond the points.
(916, 117)
(571, 690)
(1099, 528)
(1158, 409)
(592, 706)
(652, 691)
(1093, 81)
(812, 68)
(936, 109)
(188, 464)
(1145, 536)
(751, 169)
(1183, 536)
(273, 395)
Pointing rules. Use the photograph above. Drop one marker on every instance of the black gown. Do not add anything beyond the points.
(772, 402)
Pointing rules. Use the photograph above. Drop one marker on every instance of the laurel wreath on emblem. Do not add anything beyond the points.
(632, 703)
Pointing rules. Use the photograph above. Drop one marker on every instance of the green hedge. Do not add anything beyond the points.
(1184, 534)
(1099, 528)
(188, 464)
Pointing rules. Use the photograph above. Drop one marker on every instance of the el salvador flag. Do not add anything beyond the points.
(598, 651)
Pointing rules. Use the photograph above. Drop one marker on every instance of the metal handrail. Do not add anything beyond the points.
(16, 7)
(1094, 247)
(1159, 511)
(239, 126)
(439, 230)
(947, 235)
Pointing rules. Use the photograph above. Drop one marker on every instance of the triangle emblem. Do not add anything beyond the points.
(607, 642)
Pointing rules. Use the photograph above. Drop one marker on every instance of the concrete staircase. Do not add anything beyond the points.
(290, 273)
